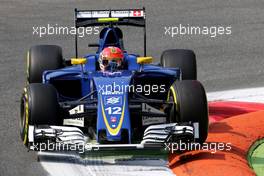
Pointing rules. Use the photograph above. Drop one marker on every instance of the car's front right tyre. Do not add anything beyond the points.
(39, 106)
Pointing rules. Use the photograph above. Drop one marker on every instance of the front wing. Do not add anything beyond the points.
(155, 136)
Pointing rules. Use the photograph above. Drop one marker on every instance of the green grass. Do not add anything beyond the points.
(256, 157)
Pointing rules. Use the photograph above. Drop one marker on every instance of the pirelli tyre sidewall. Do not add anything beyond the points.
(190, 105)
(41, 58)
(24, 116)
(183, 59)
(39, 106)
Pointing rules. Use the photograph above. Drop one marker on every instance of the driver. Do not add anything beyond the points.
(111, 58)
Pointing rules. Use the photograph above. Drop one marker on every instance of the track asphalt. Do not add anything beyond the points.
(224, 62)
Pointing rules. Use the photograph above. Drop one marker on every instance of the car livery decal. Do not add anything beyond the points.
(113, 131)
(113, 114)
(113, 100)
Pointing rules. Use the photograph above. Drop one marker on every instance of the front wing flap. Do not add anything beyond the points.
(155, 136)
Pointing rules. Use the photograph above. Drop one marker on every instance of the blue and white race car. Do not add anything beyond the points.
(138, 105)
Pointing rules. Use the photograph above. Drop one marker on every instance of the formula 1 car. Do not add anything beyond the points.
(72, 101)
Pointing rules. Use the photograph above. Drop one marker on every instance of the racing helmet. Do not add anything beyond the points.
(111, 58)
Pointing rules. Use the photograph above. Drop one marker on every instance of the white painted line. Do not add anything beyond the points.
(71, 164)
(244, 95)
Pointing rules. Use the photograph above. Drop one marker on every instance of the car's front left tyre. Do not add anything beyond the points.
(190, 105)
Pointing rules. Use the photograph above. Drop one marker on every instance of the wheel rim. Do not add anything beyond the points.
(172, 97)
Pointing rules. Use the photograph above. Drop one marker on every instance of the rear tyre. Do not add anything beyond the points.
(39, 106)
(190, 105)
(183, 59)
(41, 58)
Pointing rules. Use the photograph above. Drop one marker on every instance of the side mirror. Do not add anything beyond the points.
(144, 60)
(78, 61)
